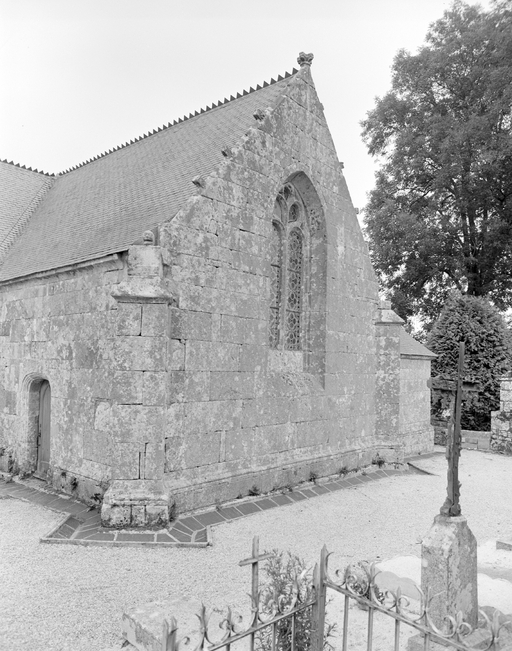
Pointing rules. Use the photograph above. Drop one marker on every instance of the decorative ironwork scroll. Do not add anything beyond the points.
(357, 582)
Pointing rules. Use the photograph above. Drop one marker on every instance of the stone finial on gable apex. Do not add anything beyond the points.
(305, 59)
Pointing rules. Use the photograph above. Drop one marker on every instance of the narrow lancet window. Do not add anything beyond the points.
(294, 290)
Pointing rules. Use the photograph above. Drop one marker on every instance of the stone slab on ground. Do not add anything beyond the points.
(494, 590)
(479, 639)
(143, 626)
(504, 544)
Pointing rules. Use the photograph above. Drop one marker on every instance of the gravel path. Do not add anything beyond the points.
(60, 598)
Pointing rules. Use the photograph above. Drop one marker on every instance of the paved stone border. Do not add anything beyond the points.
(81, 524)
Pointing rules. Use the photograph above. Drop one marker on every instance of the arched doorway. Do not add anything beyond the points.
(44, 397)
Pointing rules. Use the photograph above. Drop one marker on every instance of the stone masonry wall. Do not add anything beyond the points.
(387, 380)
(107, 365)
(61, 328)
(164, 387)
(416, 431)
(241, 415)
(501, 420)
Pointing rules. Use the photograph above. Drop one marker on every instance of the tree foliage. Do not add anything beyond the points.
(479, 325)
(440, 215)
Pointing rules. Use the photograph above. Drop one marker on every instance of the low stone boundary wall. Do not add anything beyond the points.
(471, 439)
(501, 420)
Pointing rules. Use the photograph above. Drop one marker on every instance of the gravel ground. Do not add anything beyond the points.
(60, 597)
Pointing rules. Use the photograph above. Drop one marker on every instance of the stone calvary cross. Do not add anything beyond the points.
(454, 388)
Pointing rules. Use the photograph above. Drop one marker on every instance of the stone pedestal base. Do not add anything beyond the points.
(449, 570)
(136, 503)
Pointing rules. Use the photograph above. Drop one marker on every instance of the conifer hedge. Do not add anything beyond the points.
(480, 326)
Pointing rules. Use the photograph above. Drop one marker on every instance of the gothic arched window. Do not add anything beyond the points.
(288, 269)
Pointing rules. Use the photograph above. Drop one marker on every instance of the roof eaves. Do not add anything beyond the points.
(79, 264)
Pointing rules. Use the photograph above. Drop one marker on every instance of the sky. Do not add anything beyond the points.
(78, 77)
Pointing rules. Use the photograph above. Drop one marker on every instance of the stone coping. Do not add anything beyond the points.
(81, 524)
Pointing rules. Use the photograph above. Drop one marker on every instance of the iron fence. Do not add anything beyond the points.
(275, 628)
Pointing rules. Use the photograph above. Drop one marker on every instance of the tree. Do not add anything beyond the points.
(440, 215)
(479, 325)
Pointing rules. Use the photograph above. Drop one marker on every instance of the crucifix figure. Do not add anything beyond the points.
(454, 389)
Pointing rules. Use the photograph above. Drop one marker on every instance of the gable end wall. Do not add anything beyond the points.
(241, 415)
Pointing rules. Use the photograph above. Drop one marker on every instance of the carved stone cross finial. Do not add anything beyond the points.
(454, 388)
(305, 59)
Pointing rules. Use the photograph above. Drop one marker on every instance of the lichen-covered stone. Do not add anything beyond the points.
(159, 360)
(449, 570)
(501, 421)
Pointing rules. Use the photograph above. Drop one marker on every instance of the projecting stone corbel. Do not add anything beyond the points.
(146, 282)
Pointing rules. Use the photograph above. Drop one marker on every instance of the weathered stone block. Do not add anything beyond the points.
(202, 449)
(174, 454)
(154, 388)
(98, 446)
(239, 444)
(231, 385)
(103, 415)
(265, 411)
(138, 516)
(126, 459)
(213, 415)
(140, 423)
(142, 626)
(449, 570)
(139, 353)
(232, 329)
(176, 355)
(127, 387)
(186, 324)
(154, 320)
(144, 261)
(118, 517)
(197, 356)
(157, 516)
(188, 386)
(130, 499)
(254, 357)
(129, 319)
(255, 331)
(152, 459)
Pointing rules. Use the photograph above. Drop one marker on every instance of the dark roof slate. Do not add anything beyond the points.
(104, 206)
(411, 348)
(20, 191)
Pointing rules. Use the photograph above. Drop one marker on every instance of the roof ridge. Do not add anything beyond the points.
(214, 105)
(23, 167)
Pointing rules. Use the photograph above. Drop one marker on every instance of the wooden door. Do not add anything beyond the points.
(43, 439)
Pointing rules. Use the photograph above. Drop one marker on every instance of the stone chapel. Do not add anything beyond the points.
(194, 316)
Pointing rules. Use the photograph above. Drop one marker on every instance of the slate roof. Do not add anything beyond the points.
(409, 347)
(20, 191)
(104, 206)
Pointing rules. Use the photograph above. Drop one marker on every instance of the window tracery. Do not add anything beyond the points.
(288, 263)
